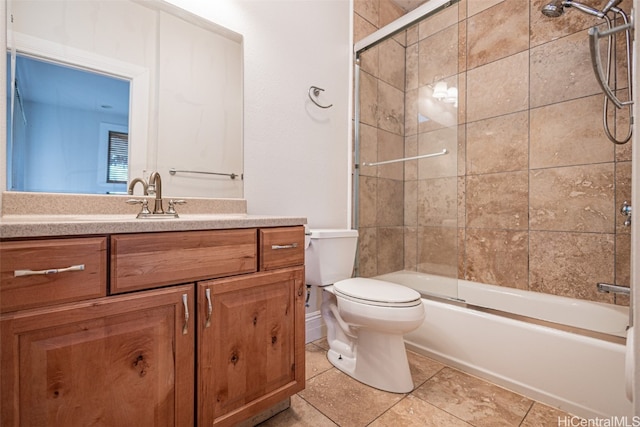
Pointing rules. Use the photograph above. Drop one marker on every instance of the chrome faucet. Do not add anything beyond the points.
(156, 182)
(154, 186)
(145, 186)
(615, 289)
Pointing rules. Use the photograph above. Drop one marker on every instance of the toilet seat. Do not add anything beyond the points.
(376, 292)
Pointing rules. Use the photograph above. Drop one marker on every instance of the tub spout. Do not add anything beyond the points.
(616, 289)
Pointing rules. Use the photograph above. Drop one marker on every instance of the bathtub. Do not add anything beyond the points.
(566, 353)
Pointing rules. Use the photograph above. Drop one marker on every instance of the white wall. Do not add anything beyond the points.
(297, 156)
(56, 154)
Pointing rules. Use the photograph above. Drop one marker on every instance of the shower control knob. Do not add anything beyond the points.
(626, 210)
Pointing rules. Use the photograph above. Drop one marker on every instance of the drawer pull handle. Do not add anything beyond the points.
(186, 314)
(290, 246)
(18, 273)
(207, 293)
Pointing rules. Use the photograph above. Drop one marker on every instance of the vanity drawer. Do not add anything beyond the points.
(32, 273)
(152, 260)
(281, 247)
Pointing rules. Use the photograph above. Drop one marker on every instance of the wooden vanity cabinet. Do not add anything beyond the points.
(197, 328)
(117, 361)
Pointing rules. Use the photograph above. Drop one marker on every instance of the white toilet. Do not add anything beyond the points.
(366, 318)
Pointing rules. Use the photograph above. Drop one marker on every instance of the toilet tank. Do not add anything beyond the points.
(330, 256)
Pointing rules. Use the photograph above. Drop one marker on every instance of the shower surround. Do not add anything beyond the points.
(528, 196)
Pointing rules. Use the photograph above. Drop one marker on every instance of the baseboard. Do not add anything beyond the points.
(314, 326)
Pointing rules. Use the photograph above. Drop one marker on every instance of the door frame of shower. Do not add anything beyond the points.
(429, 8)
(635, 230)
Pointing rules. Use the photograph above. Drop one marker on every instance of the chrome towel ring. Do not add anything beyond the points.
(316, 92)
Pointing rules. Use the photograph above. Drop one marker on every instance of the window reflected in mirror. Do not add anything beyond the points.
(67, 129)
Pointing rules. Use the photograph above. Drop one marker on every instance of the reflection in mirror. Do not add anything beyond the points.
(185, 93)
(67, 129)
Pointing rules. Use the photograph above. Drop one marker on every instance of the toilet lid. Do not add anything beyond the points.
(376, 292)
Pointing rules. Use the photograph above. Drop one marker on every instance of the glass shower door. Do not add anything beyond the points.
(406, 149)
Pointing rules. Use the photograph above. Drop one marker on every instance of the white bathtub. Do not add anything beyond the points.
(578, 373)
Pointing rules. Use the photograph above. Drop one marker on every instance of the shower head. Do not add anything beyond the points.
(555, 8)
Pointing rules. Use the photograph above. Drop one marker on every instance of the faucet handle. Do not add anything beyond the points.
(172, 205)
(626, 211)
(143, 202)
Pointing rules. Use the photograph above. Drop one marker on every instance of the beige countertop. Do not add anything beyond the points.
(50, 215)
(14, 226)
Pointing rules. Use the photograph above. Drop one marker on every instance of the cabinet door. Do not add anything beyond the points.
(251, 344)
(119, 361)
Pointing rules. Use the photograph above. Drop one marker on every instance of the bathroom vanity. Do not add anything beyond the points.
(194, 321)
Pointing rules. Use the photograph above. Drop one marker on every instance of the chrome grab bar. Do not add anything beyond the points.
(173, 171)
(405, 159)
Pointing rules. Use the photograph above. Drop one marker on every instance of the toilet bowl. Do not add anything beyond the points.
(365, 318)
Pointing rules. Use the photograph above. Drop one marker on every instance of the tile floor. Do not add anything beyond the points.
(443, 396)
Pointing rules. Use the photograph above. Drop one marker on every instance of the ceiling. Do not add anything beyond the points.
(409, 5)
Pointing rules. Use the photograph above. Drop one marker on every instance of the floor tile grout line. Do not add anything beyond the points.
(447, 412)
(533, 402)
(388, 409)
(317, 409)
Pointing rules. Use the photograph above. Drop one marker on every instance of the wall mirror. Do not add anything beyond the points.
(163, 83)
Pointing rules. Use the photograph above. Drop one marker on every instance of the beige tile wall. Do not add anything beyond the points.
(529, 194)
